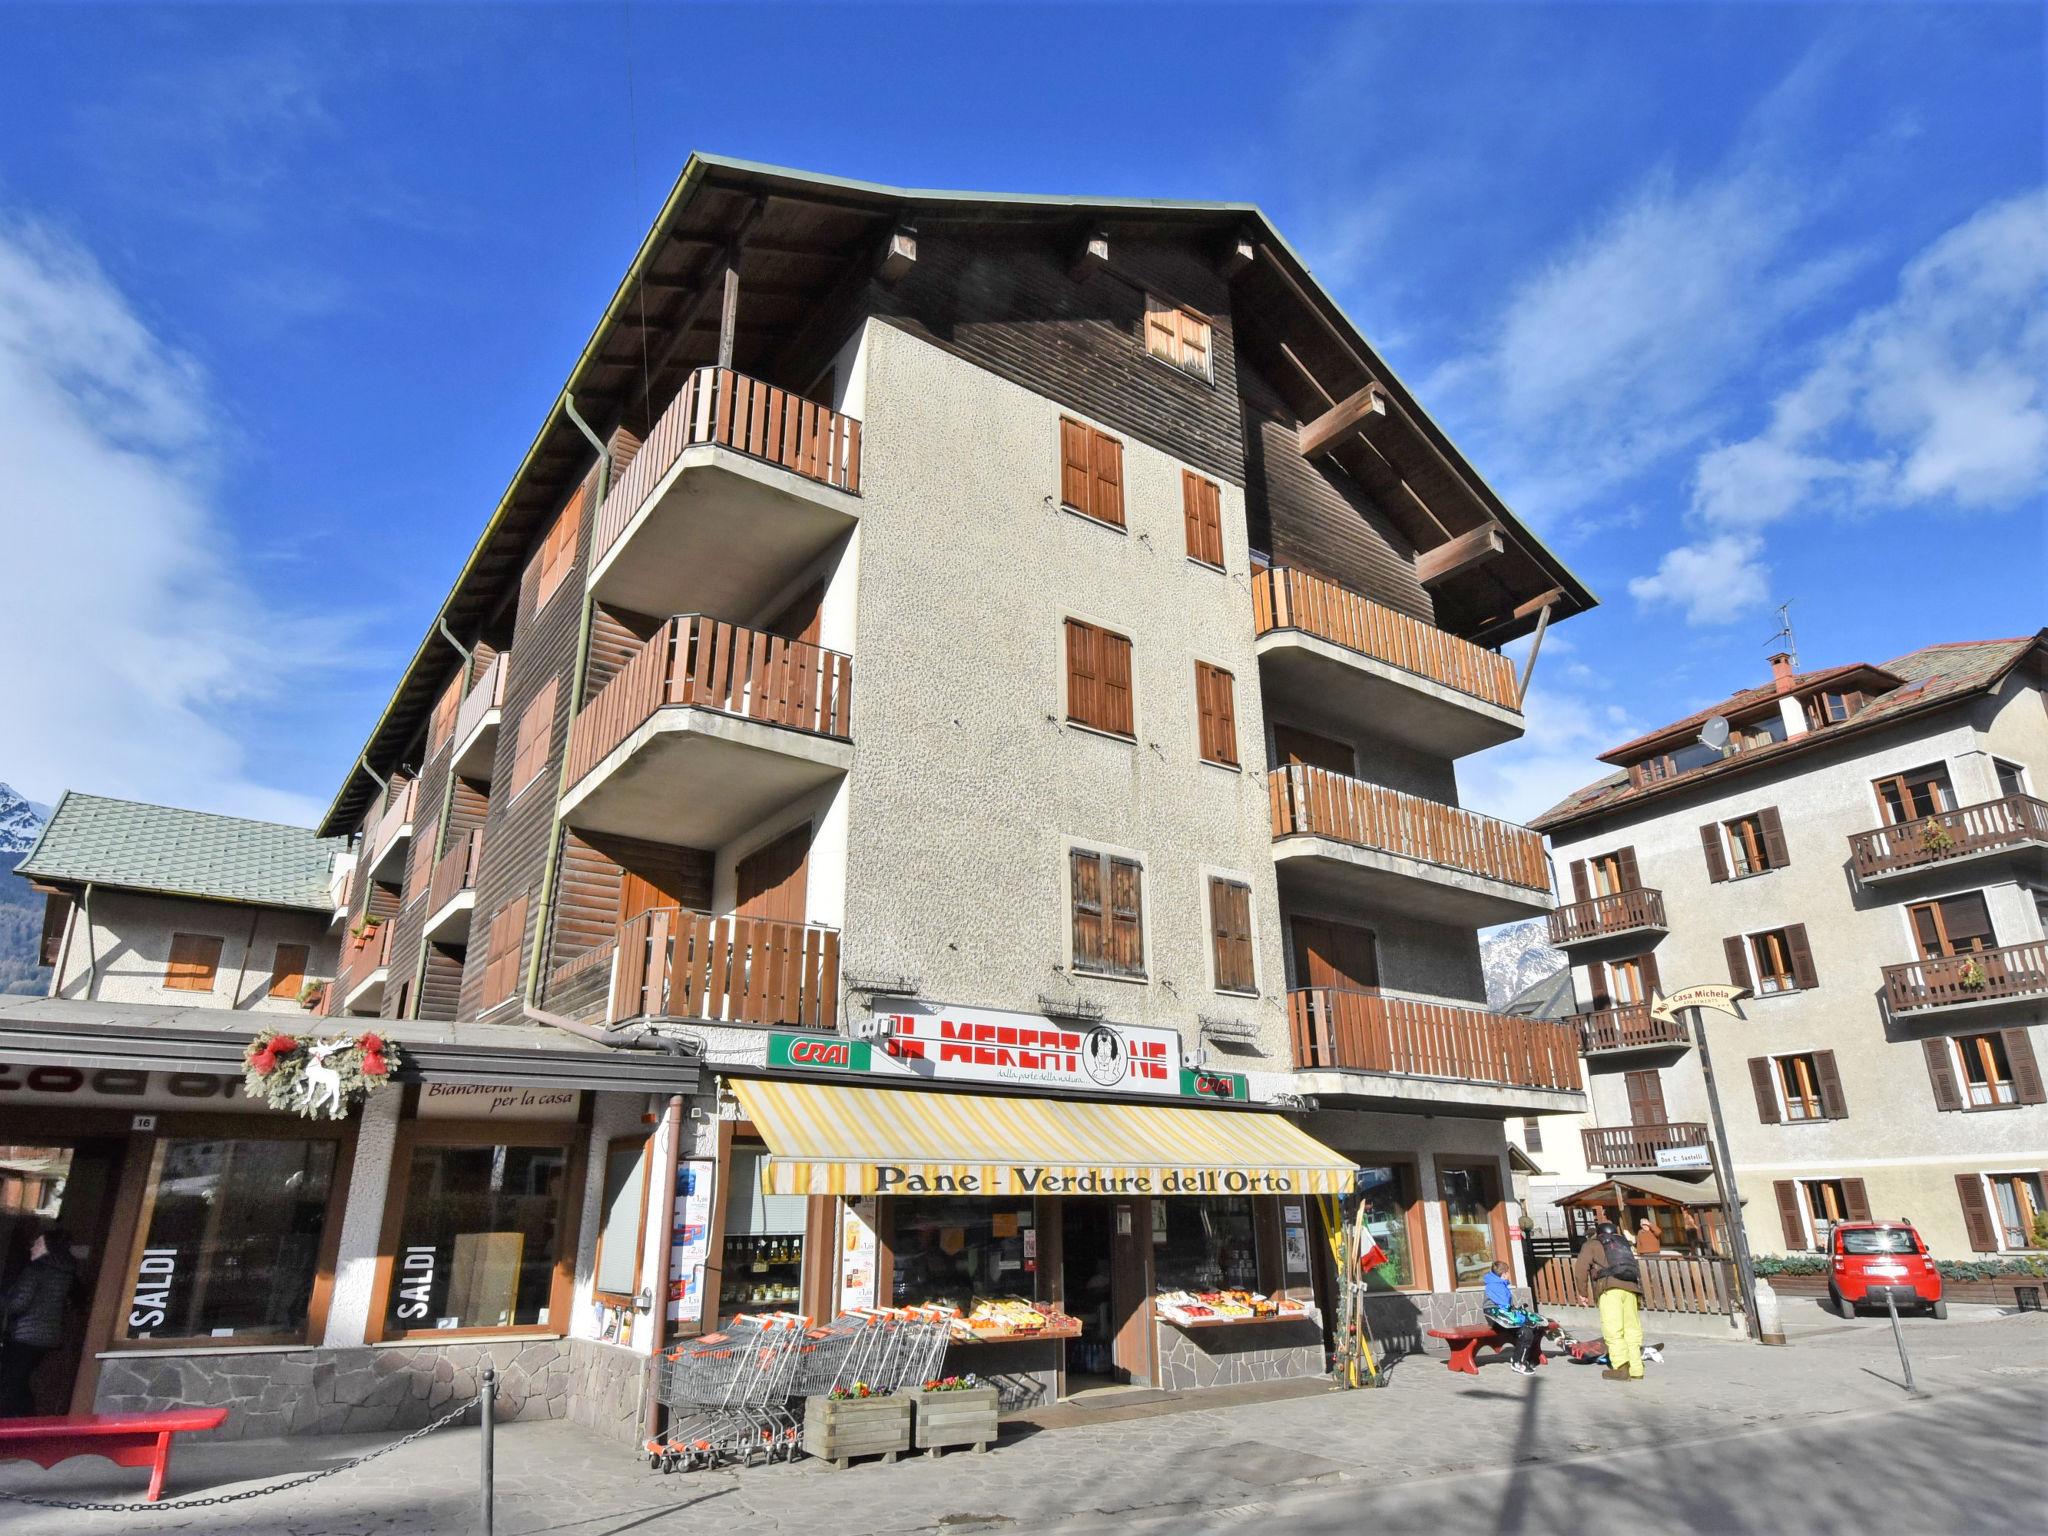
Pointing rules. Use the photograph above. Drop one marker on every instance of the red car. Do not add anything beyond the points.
(1874, 1258)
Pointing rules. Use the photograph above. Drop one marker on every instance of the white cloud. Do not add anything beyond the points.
(1714, 581)
(132, 640)
(1568, 727)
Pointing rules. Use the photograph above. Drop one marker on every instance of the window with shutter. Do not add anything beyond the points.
(1737, 952)
(1178, 336)
(1230, 918)
(1099, 679)
(1909, 796)
(535, 735)
(441, 724)
(558, 549)
(504, 945)
(1984, 1075)
(1798, 1084)
(1976, 1213)
(1216, 709)
(1107, 913)
(2016, 1205)
(195, 959)
(1532, 1135)
(1202, 508)
(1763, 1082)
(1091, 947)
(1790, 1218)
(1783, 961)
(1091, 472)
(1126, 917)
(1756, 843)
(288, 971)
(1717, 858)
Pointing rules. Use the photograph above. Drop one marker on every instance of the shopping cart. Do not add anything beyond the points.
(728, 1394)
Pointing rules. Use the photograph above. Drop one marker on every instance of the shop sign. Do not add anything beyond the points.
(155, 1274)
(1031, 1179)
(815, 1053)
(1225, 1087)
(689, 1249)
(1026, 1050)
(495, 1101)
(53, 1084)
(1683, 1157)
(857, 1254)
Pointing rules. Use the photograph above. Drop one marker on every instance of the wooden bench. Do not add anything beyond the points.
(125, 1439)
(1467, 1341)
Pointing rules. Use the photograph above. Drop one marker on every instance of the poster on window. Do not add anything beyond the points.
(1297, 1251)
(689, 1240)
(857, 1250)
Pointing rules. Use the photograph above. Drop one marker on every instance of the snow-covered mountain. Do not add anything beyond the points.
(20, 821)
(21, 909)
(1516, 955)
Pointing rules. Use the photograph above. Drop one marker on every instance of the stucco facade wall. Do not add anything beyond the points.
(131, 938)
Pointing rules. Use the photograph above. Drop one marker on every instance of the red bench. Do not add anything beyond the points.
(1468, 1341)
(125, 1439)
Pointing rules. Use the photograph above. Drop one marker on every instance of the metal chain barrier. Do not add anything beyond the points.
(207, 1501)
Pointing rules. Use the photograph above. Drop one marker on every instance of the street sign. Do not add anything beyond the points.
(1716, 994)
(1684, 1157)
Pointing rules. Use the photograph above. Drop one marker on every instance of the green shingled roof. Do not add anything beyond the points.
(185, 853)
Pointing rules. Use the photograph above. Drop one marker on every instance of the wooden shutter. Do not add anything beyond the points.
(195, 958)
(1737, 951)
(1653, 983)
(1202, 508)
(1802, 957)
(1941, 1071)
(1117, 713)
(1631, 872)
(1194, 343)
(2026, 1074)
(1646, 1098)
(1083, 703)
(1099, 678)
(1216, 707)
(1230, 917)
(1107, 461)
(535, 736)
(441, 724)
(1774, 837)
(1603, 994)
(1126, 917)
(503, 947)
(1855, 1200)
(1074, 474)
(1582, 890)
(288, 971)
(1162, 329)
(771, 881)
(1762, 1078)
(1297, 748)
(1717, 856)
(1833, 1104)
(1977, 1213)
(558, 548)
(1788, 1214)
(1090, 951)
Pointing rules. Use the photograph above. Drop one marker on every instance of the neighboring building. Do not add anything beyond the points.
(152, 904)
(1552, 1146)
(1868, 855)
(983, 676)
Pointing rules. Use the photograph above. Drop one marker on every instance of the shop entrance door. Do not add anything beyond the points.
(69, 1185)
(1106, 1283)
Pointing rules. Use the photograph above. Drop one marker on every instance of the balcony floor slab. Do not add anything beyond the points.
(1340, 1089)
(1312, 676)
(389, 864)
(450, 925)
(475, 753)
(367, 995)
(1325, 871)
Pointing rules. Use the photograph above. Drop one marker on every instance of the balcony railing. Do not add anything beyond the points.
(1369, 1031)
(362, 957)
(740, 970)
(1627, 1028)
(1604, 916)
(1283, 598)
(1986, 975)
(719, 406)
(485, 695)
(455, 871)
(702, 663)
(1315, 802)
(1982, 828)
(1637, 1146)
(396, 815)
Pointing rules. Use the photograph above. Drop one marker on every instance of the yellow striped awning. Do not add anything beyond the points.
(834, 1139)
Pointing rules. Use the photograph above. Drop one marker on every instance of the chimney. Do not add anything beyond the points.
(1781, 671)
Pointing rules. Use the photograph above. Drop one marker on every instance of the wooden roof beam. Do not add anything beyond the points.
(1357, 413)
(1460, 554)
(898, 256)
(1239, 251)
(1090, 256)
(1484, 633)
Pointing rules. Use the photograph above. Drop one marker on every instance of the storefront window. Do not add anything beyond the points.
(947, 1252)
(480, 1237)
(764, 1241)
(1204, 1244)
(1468, 1213)
(1386, 1193)
(233, 1239)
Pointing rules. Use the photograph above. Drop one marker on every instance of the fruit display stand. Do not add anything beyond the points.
(1022, 1362)
(949, 1416)
(1202, 1345)
(837, 1429)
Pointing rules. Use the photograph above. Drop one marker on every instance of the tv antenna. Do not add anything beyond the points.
(1784, 640)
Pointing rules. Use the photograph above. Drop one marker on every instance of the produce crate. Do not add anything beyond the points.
(965, 1416)
(838, 1429)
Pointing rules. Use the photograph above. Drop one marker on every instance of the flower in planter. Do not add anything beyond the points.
(952, 1383)
(854, 1393)
(1972, 976)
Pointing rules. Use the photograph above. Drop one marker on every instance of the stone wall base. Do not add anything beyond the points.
(607, 1387)
(1235, 1357)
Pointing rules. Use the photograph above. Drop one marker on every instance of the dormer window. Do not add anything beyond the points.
(1830, 707)
(1178, 336)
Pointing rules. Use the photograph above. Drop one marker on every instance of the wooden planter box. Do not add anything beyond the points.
(1999, 1292)
(838, 1429)
(966, 1416)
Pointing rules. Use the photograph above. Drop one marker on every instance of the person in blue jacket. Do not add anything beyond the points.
(1502, 1312)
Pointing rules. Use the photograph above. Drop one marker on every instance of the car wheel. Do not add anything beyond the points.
(1940, 1310)
(1839, 1304)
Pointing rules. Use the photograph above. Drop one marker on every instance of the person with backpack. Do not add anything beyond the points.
(1607, 1267)
(34, 1309)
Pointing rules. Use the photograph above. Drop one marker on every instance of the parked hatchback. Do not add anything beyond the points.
(1873, 1259)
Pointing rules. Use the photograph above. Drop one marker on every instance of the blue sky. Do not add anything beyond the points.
(1735, 303)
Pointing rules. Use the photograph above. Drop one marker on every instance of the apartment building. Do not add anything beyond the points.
(978, 679)
(1863, 848)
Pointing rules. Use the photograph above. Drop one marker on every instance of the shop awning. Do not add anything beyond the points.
(831, 1139)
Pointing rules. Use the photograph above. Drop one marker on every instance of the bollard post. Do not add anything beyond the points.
(1891, 1305)
(488, 1401)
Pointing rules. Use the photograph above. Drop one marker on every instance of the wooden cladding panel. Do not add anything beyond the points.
(1371, 1031)
(595, 867)
(1284, 598)
(1317, 803)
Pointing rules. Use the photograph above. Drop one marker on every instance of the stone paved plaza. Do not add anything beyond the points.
(1817, 1437)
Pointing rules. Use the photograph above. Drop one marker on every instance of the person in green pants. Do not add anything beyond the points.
(1606, 1267)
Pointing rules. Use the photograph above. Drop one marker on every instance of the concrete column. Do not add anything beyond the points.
(362, 1221)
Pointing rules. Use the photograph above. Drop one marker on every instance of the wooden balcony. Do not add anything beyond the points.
(451, 892)
(2014, 824)
(1370, 1031)
(392, 835)
(1621, 1148)
(738, 488)
(1341, 839)
(678, 964)
(365, 966)
(1331, 650)
(1635, 914)
(1627, 1028)
(1988, 976)
(705, 730)
(476, 723)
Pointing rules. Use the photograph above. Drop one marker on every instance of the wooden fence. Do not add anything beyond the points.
(1624, 1028)
(2017, 970)
(1283, 598)
(1701, 1285)
(1983, 828)
(1369, 1031)
(1637, 1146)
(674, 963)
(1601, 916)
(695, 661)
(718, 405)
(1318, 803)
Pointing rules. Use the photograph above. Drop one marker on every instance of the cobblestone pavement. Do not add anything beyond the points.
(1723, 1437)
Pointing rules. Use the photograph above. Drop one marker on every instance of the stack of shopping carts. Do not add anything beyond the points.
(729, 1394)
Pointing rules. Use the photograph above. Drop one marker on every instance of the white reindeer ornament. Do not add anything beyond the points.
(321, 1084)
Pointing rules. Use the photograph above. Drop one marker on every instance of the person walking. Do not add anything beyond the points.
(1502, 1312)
(1648, 1239)
(34, 1310)
(1606, 1267)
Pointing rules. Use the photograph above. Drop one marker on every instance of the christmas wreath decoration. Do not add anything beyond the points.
(317, 1077)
